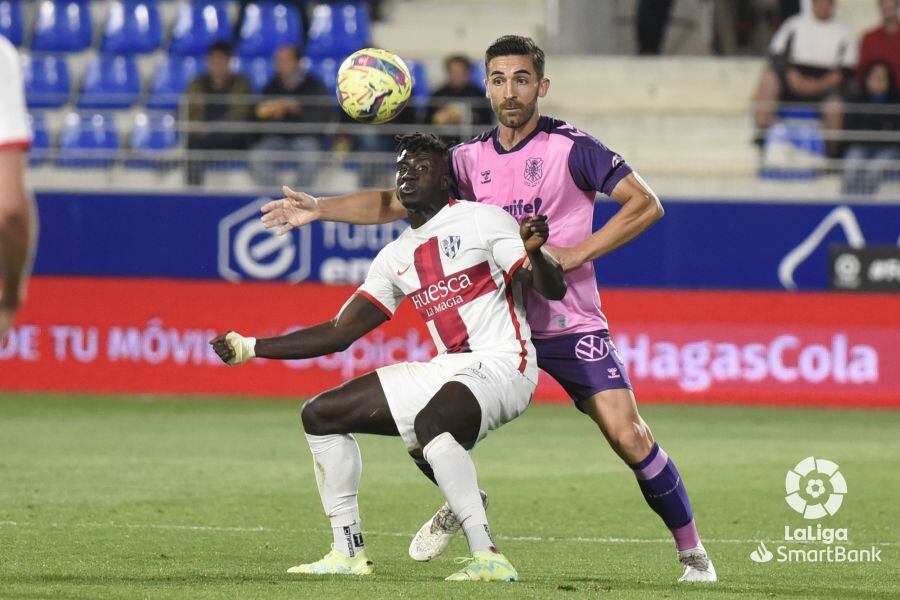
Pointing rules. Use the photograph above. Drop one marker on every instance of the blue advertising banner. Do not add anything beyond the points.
(725, 245)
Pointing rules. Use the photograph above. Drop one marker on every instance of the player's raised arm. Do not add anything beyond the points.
(358, 317)
(545, 274)
(297, 209)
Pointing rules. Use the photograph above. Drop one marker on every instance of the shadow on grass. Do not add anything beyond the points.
(660, 590)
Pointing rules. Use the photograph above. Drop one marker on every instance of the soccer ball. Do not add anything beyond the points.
(373, 85)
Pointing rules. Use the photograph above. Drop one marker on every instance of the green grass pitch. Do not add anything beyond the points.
(115, 497)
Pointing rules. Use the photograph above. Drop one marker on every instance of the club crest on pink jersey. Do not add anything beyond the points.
(534, 171)
(450, 245)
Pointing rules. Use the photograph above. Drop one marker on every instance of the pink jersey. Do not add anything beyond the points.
(556, 171)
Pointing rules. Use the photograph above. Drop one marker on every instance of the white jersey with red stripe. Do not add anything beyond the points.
(14, 130)
(456, 269)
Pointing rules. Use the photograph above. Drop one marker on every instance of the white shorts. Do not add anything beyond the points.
(502, 391)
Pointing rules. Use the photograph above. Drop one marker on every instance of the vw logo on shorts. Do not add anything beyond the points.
(591, 348)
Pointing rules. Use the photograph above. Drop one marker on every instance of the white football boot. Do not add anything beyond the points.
(697, 566)
(437, 532)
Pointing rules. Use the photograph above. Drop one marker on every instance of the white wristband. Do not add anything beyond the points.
(244, 347)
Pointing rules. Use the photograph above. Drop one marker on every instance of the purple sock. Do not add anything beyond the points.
(664, 492)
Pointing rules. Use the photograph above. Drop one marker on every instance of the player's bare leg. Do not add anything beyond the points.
(615, 412)
(833, 116)
(445, 428)
(329, 419)
(764, 101)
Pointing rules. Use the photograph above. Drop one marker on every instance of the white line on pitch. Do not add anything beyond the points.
(511, 538)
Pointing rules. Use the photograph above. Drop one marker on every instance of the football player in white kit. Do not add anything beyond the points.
(18, 221)
(460, 264)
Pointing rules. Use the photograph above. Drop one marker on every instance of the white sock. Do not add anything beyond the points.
(479, 537)
(338, 466)
(455, 473)
(348, 539)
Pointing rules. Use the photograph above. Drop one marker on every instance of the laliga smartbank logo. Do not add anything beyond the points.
(815, 488)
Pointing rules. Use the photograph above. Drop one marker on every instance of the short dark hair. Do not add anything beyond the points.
(222, 47)
(296, 50)
(423, 142)
(516, 45)
(457, 58)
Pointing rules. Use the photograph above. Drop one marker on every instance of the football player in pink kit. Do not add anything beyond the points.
(531, 164)
(458, 263)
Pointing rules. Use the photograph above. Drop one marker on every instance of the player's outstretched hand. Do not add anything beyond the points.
(534, 232)
(296, 209)
(233, 348)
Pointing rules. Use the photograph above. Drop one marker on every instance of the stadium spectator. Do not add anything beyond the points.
(215, 97)
(747, 26)
(883, 42)
(813, 55)
(866, 161)
(18, 223)
(652, 21)
(459, 101)
(787, 9)
(282, 104)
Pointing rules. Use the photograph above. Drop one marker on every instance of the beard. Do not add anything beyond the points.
(514, 121)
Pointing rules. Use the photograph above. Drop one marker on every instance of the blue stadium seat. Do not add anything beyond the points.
(198, 25)
(132, 27)
(152, 138)
(87, 141)
(47, 82)
(478, 74)
(420, 91)
(325, 70)
(171, 77)
(110, 82)
(794, 147)
(11, 23)
(338, 29)
(40, 141)
(258, 70)
(62, 26)
(268, 25)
